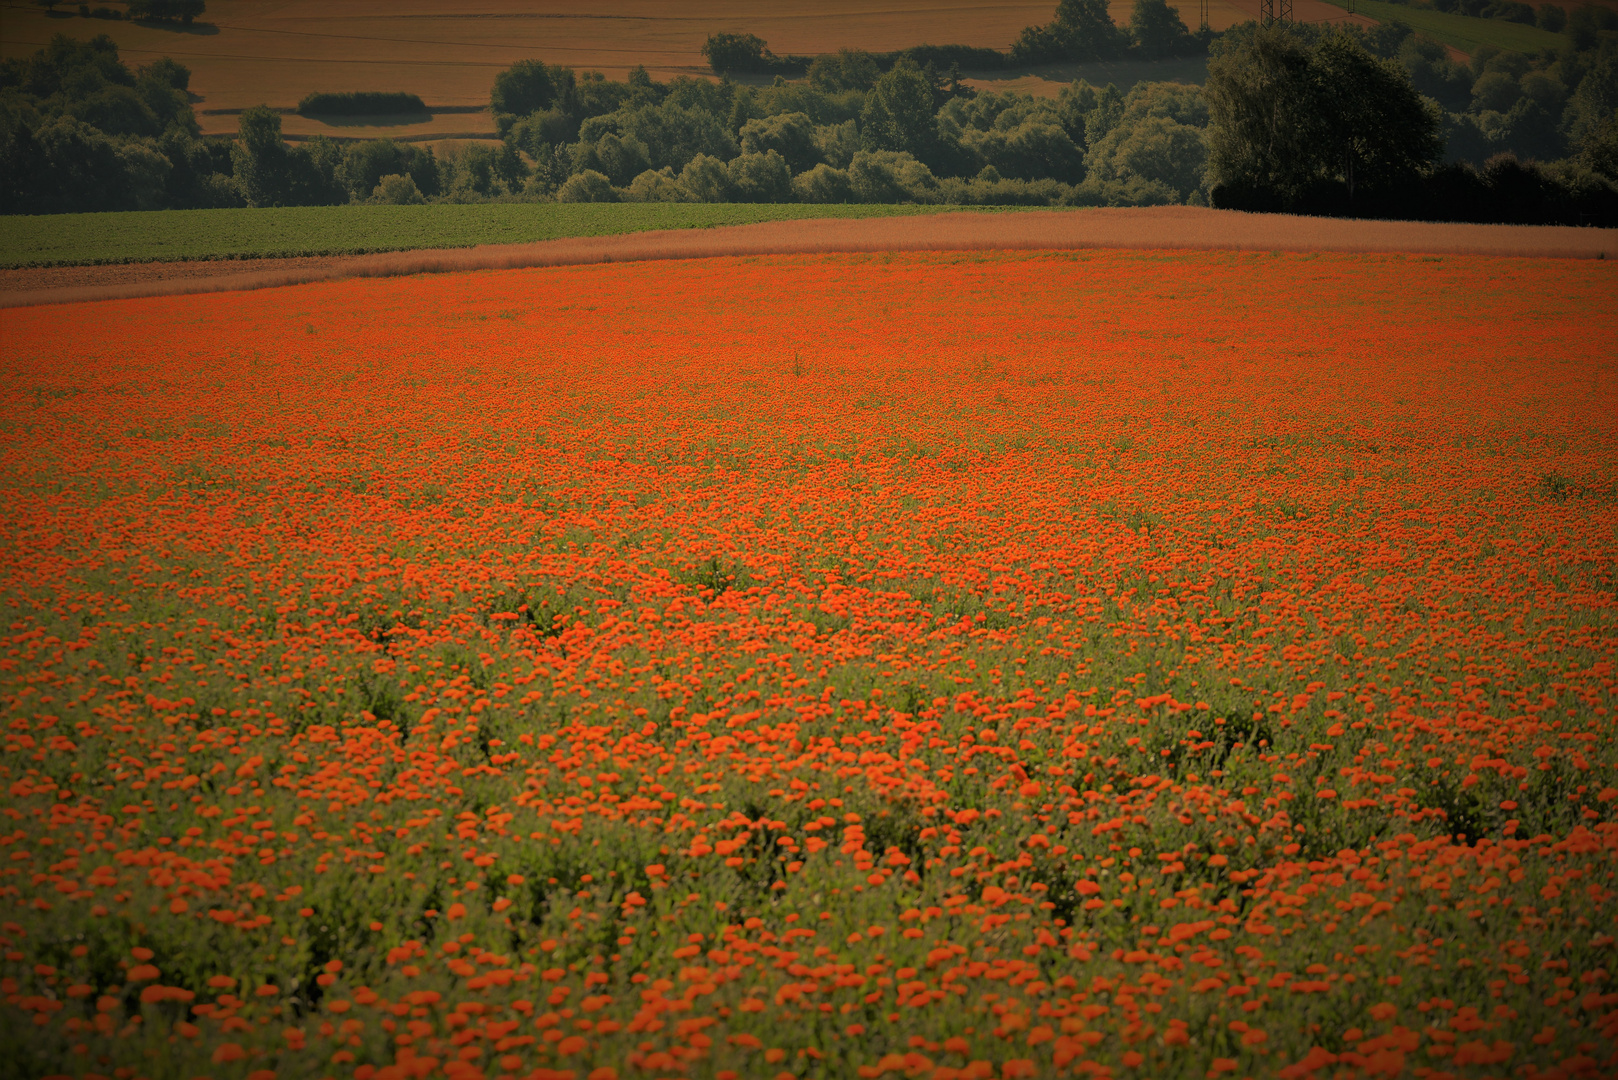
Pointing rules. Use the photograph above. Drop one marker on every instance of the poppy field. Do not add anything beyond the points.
(938, 665)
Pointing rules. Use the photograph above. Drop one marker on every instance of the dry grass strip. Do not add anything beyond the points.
(1171, 227)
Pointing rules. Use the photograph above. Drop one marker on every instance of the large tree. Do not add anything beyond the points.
(1377, 131)
(1286, 117)
(899, 113)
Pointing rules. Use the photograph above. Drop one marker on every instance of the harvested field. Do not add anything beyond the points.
(940, 666)
(260, 51)
(1177, 227)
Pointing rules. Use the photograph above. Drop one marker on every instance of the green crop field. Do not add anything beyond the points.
(1460, 31)
(281, 232)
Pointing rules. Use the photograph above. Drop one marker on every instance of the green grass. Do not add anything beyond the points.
(79, 239)
(1460, 31)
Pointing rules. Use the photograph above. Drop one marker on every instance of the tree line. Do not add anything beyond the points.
(1345, 121)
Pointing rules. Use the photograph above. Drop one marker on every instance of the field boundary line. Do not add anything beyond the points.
(1159, 228)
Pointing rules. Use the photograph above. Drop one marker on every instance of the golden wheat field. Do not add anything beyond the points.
(247, 52)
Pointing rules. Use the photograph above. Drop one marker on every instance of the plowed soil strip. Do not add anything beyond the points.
(1154, 227)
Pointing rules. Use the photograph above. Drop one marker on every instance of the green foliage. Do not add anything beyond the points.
(670, 134)
(474, 171)
(619, 159)
(1598, 150)
(1595, 102)
(80, 131)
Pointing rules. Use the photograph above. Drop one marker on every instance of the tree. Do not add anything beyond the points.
(886, 176)
(1596, 99)
(528, 87)
(1377, 131)
(760, 178)
(846, 69)
(1264, 117)
(262, 166)
(1598, 150)
(1159, 32)
(397, 190)
(619, 159)
(823, 184)
(898, 114)
(168, 72)
(1286, 118)
(706, 178)
(658, 186)
(792, 135)
(1082, 30)
(737, 52)
(587, 186)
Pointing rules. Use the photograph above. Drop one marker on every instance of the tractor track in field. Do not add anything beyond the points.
(1167, 228)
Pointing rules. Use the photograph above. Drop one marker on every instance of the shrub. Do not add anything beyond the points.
(838, 143)
(587, 186)
(823, 184)
(619, 159)
(760, 178)
(657, 186)
(791, 135)
(706, 178)
(886, 176)
(397, 190)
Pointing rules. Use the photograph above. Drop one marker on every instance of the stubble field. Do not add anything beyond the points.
(933, 665)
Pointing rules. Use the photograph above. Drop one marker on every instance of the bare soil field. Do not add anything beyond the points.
(1174, 227)
(248, 52)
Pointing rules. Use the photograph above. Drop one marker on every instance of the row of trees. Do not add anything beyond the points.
(850, 132)
(1083, 30)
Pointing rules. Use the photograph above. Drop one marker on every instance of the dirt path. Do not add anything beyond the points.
(1156, 227)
